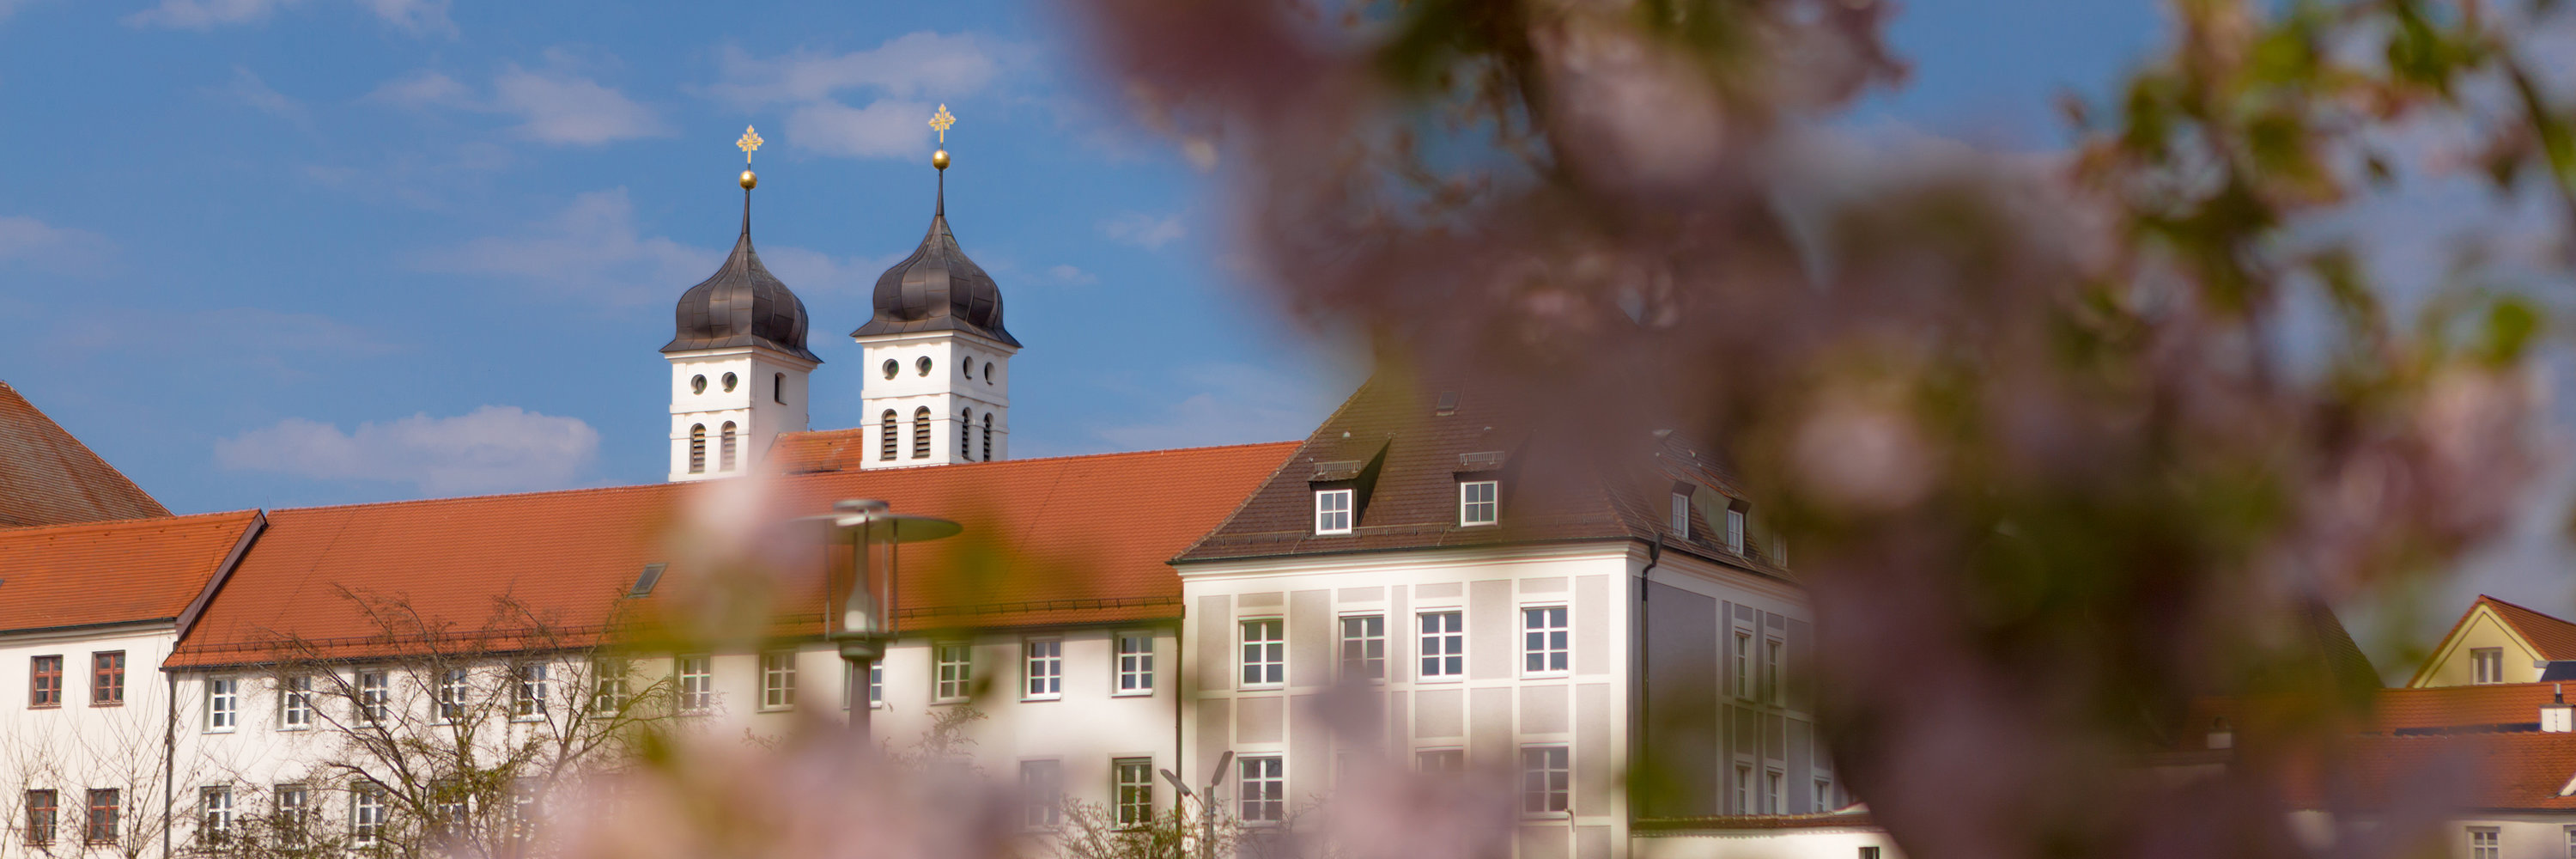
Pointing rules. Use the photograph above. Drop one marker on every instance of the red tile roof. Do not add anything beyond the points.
(47, 477)
(2556, 639)
(2491, 772)
(2459, 708)
(1062, 541)
(97, 573)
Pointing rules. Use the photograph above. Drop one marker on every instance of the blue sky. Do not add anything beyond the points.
(289, 252)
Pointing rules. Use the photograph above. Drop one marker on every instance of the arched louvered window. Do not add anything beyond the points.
(885, 438)
(921, 433)
(698, 449)
(988, 436)
(966, 435)
(725, 448)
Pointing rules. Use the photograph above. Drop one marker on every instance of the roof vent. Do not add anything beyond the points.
(644, 581)
(1448, 403)
(1482, 461)
(2556, 717)
(1348, 469)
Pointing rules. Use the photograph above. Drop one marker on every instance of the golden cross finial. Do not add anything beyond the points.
(750, 141)
(942, 120)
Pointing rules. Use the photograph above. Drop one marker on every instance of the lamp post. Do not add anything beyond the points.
(868, 610)
(1207, 803)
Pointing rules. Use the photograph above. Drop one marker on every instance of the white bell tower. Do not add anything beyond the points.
(938, 361)
(739, 365)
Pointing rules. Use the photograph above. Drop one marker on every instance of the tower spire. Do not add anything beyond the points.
(941, 121)
(749, 143)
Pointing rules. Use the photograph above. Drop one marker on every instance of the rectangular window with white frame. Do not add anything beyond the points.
(697, 686)
(607, 687)
(1743, 789)
(1044, 658)
(2485, 842)
(1135, 663)
(1546, 645)
(2486, 665)
(1775, 658)
(1364, 647)
(1041, 794)
(534, 684)
(954, 676)
(876, 685)
(1547, 780)
(1744, 665)
(1776, 789)
(778, 680)
(1681, 515)
(2571, 842)
(375, 697)
(454, 685)
(366, 816)
(292, 819)
(223, 704)
(1479, 502)
(1262, 781)
(1265, 652)
(1825, 795)
(1134, 791)
(1444, 645)
(295, 703)
(214, 812)
(1735, 531)
(1333, 509)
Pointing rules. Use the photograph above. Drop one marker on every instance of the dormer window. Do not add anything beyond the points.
(1333, 511)
(1681, 515)
(1478, 502)
(1735, 531)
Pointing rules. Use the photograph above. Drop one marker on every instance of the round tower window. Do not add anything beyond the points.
(730, 381)
(892, 368)
(923, 365)
(968, 367)
(698, 385)
(988, 372)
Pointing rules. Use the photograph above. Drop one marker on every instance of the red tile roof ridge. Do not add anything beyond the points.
(175, 520)
(2555, 640)
(142, 499)
(808, 434)
(629, 487)
(1222, 525)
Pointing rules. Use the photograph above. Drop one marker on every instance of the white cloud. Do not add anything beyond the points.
(1143, 230)
(415, 16)
(204, 14)
(35, 243)
(491, 449)
(1067, 274)
(591, 249)
(564, 108)
(424, 88)
(1235, 404)
(11, 7)
(909, 65)
(899, 80)
(886, 128)
(420, 17)
(248, 89)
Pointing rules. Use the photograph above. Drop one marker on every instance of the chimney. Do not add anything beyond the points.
(2556, 717)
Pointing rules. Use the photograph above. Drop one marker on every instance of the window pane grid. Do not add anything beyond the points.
(1333, 511)
(1364, 647)
(954, 672)
(1544, 640)
(1046, 669)
(295, 703)
(1135, 663)
(45, 683)
(107, 678)
(1478, 504)
(104, 806)
(452, 690)
(373, 695)
(1264, 788)
(1444, 644)
(1547, 778)
(1135, 790)
(1042, 791)
(778, 680)
(1265, 653)
(223, 702)
(534, 687)
(697, 683)
(42, 810)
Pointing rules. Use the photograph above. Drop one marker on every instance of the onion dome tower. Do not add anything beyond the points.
(738, 359)
(938, 389)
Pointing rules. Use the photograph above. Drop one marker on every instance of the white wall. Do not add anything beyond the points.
(79, 745)
(753, 404)
(957, 382)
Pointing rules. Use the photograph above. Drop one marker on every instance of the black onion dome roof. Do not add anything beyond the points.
(742, 304)
(938, 289)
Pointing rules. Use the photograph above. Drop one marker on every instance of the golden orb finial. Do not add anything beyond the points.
(750, 180)
(749, 143)
(939, 159)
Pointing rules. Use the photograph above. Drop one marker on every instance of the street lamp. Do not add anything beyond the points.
(868, 610)
(1207, 803)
